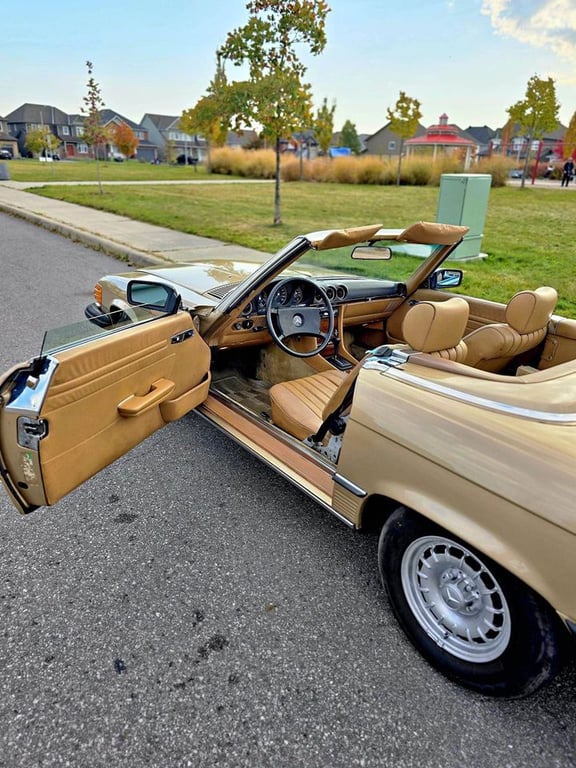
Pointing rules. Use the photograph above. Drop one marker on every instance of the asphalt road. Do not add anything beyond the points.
(189, 608)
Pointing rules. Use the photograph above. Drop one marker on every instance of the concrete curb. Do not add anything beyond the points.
(120, 251)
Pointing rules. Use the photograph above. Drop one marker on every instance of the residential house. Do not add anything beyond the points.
(30, 117)
(487, 139)
(68, 130)
(7, 141)
(552, 147)
(386, 143)
(73, 142)
(147, 151)
(243, 139)
(172, 142)
(549, 148)
(306, 144)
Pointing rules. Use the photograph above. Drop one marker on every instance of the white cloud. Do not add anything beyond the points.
(541, 23)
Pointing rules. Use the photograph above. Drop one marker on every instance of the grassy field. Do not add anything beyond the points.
(529, 236)
(85, 170)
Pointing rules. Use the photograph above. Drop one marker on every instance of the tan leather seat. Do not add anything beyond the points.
(298, 405)
(493, 346)
(437, 327)
(301, 406)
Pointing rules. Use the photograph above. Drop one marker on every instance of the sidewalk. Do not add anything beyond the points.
(132, 241)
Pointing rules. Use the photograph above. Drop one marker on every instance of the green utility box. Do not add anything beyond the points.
(464, 200)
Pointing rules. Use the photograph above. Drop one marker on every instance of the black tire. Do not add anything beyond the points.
(469, 618)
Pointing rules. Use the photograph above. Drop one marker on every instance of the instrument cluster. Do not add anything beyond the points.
(292, 295)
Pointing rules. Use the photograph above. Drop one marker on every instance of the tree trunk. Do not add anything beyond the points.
(399, 163)
(525, 169)
(97, 157)
(277, 215)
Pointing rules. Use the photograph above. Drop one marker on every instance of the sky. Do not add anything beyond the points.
(469, 59)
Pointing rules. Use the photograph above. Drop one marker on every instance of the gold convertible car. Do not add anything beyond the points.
(345, 364)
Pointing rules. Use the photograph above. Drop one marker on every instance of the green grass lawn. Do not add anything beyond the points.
(85, 170)
(529, 236)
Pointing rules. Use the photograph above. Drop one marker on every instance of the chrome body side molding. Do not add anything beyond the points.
(533, 414)
(349, 486)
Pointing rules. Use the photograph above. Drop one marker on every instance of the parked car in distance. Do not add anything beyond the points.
(352, 364)
(186, 160)
(5, 154)
(516, 173)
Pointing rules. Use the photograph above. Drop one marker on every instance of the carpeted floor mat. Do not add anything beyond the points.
(250, 393)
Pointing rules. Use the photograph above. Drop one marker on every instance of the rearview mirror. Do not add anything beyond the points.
(156, 296)
(374, 252)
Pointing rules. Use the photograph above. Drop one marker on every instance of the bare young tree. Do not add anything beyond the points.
(94, 134)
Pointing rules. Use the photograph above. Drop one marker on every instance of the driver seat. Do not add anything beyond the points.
(300, 406)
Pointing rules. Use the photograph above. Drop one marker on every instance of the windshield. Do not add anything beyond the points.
(405, 259)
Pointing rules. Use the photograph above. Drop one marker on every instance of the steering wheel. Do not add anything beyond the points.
(297, 319)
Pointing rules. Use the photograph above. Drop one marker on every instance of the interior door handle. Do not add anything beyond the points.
(134, 405)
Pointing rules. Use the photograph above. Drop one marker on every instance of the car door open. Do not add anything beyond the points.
(72, 411)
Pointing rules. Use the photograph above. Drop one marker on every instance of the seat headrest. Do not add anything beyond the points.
(529, 311)
(431, 326)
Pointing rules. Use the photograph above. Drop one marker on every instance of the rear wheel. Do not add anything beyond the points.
(476, 623)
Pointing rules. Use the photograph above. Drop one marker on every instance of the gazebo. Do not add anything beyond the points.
(444, 139)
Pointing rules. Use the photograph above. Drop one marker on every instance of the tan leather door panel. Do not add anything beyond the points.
(104, 398)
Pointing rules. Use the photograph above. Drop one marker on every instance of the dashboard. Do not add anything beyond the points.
(361, 300)
(339, 291)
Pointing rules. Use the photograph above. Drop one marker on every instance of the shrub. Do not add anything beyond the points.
(370, 170)
(224, 160)
(445, 164)
(291, 170)
(259, 164)
(416, 170)
(318, 169)
(498, 167)
(390, 172)
(344, 170)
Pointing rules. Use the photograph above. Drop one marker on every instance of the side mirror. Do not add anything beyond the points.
(445, 278)
(158, 296)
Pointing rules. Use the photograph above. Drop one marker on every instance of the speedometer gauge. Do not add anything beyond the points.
(282, 295)
(298, 295)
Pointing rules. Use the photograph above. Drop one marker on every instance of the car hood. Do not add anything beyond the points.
(213, 279)
(205, 277)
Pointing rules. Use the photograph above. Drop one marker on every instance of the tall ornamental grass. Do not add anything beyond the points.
(415, 171)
